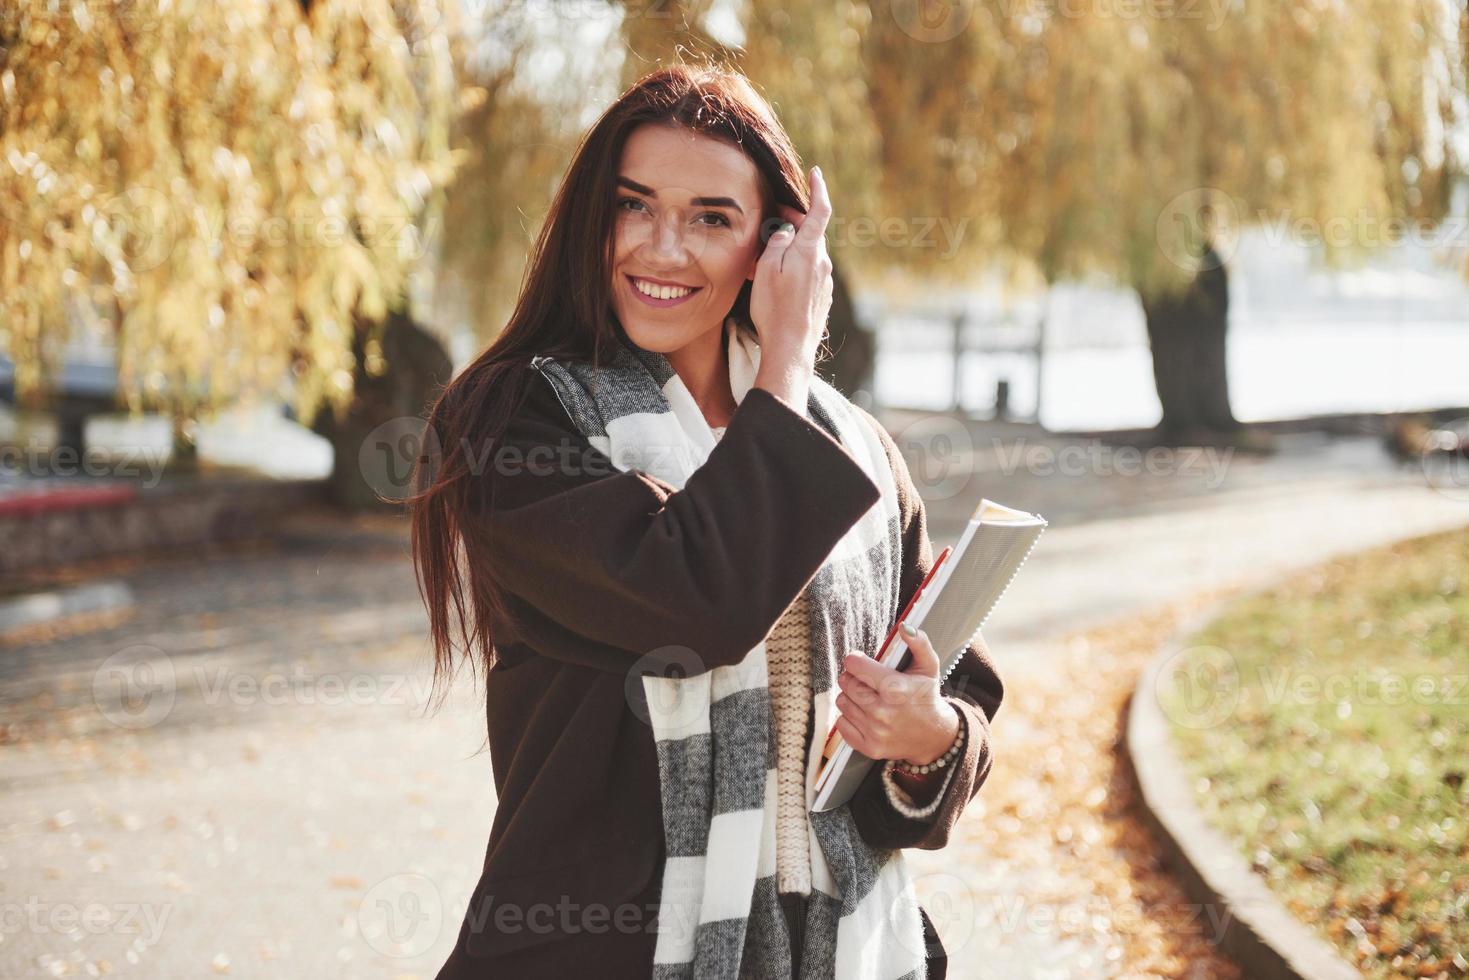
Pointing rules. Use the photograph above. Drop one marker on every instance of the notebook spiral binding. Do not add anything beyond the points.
(943, 679)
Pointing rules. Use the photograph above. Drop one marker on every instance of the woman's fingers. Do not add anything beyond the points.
(787, 213)
(889, 713)
(925, 662)
(856, 712)
(855, 737)
(882, 691)
(812, 222)
(856, 688)
(775, 249)
(792, 293)
(813, 229)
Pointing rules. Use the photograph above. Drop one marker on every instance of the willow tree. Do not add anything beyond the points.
(515, 140)
(1086, 143)
(1124, 143)
(231, 195)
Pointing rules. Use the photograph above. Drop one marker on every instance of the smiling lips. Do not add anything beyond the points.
(660, 294)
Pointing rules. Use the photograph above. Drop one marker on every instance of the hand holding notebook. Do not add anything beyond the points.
(952, 603)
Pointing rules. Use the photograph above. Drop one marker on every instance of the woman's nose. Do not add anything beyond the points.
(673, 240)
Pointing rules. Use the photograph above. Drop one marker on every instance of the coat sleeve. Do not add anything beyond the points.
(635, 567)
(973, 687)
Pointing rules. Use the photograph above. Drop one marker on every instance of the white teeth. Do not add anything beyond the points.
(660, 292)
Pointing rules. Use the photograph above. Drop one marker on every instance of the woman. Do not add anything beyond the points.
(681, 546)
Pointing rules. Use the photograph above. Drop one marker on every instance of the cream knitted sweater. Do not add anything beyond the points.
(788, 661)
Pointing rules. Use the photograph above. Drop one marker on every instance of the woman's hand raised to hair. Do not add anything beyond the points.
(791, 297)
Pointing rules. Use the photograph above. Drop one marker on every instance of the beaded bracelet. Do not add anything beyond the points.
(937, 764)
(904, 804)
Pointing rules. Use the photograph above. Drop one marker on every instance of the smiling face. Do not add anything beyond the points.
(689, 209)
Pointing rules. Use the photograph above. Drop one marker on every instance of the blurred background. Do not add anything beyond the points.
(1190, 278)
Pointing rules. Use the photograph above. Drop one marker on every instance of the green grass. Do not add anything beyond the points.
(1341, 768)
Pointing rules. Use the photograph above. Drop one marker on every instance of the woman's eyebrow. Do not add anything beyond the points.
(711, 202)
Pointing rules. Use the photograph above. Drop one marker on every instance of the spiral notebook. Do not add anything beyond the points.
(952, 603)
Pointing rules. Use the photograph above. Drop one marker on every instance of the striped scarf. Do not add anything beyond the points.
(718, 914)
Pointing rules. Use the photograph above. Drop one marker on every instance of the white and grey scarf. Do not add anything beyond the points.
(718, 915)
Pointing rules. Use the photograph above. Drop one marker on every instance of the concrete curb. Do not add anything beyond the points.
(1250, 924)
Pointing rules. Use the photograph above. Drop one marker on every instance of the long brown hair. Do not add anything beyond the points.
(565, 310)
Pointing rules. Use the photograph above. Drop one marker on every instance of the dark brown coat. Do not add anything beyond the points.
(609, 572)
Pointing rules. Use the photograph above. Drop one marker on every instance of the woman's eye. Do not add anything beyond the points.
(719, 219)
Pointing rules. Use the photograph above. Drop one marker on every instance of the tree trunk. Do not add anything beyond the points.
(1187, 335)
(374, 447)
(854, 348)
(184, 454)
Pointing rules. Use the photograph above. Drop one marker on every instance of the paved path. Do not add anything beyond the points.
(1162, 539)
(269, 802)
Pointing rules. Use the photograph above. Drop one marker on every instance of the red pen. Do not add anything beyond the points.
(917, 594)
(831, 743)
